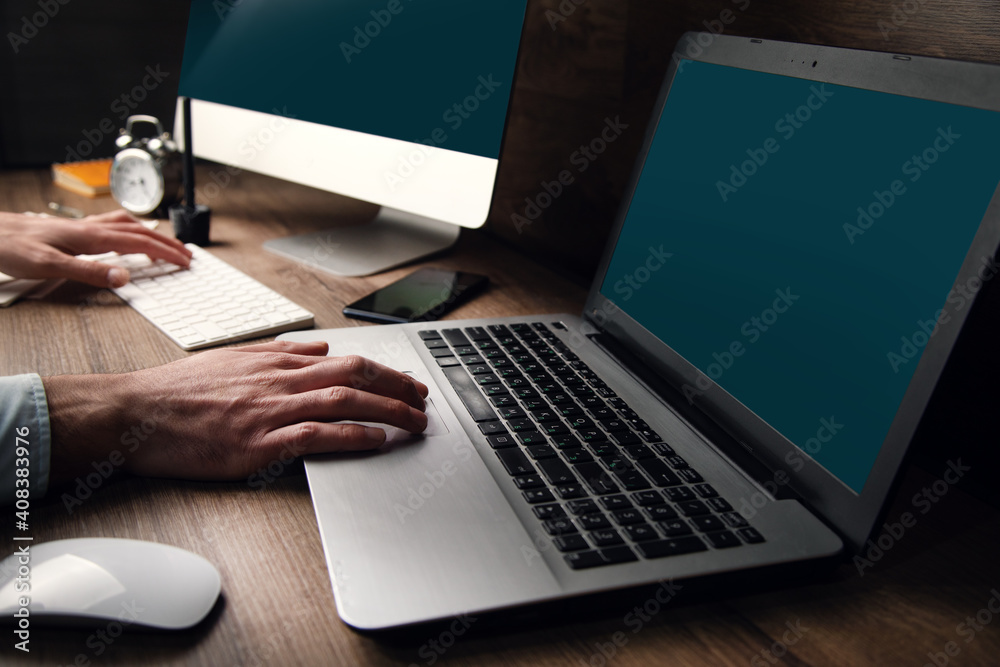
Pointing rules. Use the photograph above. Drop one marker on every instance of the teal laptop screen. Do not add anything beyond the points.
(427, 72)
(798, 242)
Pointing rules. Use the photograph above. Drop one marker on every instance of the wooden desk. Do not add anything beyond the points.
(277, 606)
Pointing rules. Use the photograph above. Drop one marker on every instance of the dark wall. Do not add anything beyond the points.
(584, 64)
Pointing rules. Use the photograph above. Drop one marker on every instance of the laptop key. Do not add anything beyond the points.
(566, 441)
(694, 508)
(577, 455)
(723, 540)
(675, 528)
(662, 448)
(674, 547)
(616, 503)
(706, 491)
(448, 362)
(528, 482)
(455, 337)
(531, 438)
(435, 344)
(628, 517)
(566, 543)
(690, 476)
(541, 452)
(585, 506)
(493, 428)
(556, 472)
(474, 402)
(488, 378)
(515, 461)
(617, 555)
(624, 438)
(428, 334)
(593, 521)
(582, 560)
(662, 513)
(676, 461)
(648, 498)
(596, 478)
(512, 412)
(719, 505)
(659, 472)
(521, 425)
(477, 333)
(558, 526)
(751, 535)
(708, 523)
(542, 495)
(734, 519)
(679, 494)
(545, 512)
(641, 532)
(637, 452)
(606, 537)
(501, 441)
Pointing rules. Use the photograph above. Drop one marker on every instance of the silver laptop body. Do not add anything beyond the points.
(434, 526)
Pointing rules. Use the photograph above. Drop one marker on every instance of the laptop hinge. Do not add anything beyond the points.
(727, 445)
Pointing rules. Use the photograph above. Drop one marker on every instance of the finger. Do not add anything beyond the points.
(319, 438)
(360, 373)
(130, 242)
(120, 215)
(139, 228)
(346, 403)
(312, 348)
(97, 274)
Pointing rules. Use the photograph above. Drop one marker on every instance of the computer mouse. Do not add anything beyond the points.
(88, 580)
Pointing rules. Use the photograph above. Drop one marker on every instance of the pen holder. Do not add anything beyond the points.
(191, 225)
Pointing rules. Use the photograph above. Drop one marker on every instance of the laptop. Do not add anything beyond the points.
(799, 246)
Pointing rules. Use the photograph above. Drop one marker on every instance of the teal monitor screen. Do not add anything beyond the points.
(438, 73)
(797, 242)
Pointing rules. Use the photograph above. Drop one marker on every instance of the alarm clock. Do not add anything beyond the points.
(146, 172)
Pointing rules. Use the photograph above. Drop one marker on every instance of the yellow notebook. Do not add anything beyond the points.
(88, 178)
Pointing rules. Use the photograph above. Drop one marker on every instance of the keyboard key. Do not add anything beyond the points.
(641, 532)
(429, 335)
(478, 369)
(505, 400)
(531, 438)
(723, 540)
(570, 491)
(558, 526)
(637, 452)
(628, 517)
(515, 462)
(501, 441)
(476, 333)
(582, 560)
(675, 528)
(624, 438)
(528, 482)
(556, 472)
(661, 513)
(617, 555)
(566, 441)
(708, 523)
(606, 538)
(521, 425)
(648, 498)
(706, 491)
(512, 413)
(677, 461)
(585, 506)
(718, 505)
(750, 535)
(435, 344)
(690, 476)
(679, 494)
(674, 547)
(596, 478)
(662, 449)
(441, 352)
(577, 455)
(466, 389)
(658, 472)
(593, 521)
(455, 337)
(489, 378)
(492, 428)
(734, 519)
(543, 495)
(693, 508)
(541, 452)
(545, 512)
(566, 543)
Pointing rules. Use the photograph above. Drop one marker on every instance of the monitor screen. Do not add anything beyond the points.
(797, 242)
(395, 102)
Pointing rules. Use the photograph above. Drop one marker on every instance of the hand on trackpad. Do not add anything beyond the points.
(435, 426)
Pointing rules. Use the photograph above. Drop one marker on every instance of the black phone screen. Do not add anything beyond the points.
(423, 295)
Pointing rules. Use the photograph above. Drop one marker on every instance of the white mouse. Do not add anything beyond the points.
(97, 579)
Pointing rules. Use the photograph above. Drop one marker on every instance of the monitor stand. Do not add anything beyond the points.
(392, 238)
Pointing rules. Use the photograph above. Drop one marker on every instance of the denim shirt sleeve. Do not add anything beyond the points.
(24, 422)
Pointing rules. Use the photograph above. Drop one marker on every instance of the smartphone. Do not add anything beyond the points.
(422, 296)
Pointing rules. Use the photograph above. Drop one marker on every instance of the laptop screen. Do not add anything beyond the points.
(797, 242)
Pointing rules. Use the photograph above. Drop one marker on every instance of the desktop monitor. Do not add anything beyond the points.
(402, 103)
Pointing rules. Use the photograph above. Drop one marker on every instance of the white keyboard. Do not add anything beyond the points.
(210, 303)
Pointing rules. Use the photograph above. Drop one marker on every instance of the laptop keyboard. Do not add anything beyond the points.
(602, 484)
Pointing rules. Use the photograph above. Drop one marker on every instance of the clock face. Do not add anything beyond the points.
(136, 181)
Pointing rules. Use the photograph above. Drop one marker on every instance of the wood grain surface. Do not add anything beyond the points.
(277, 607)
